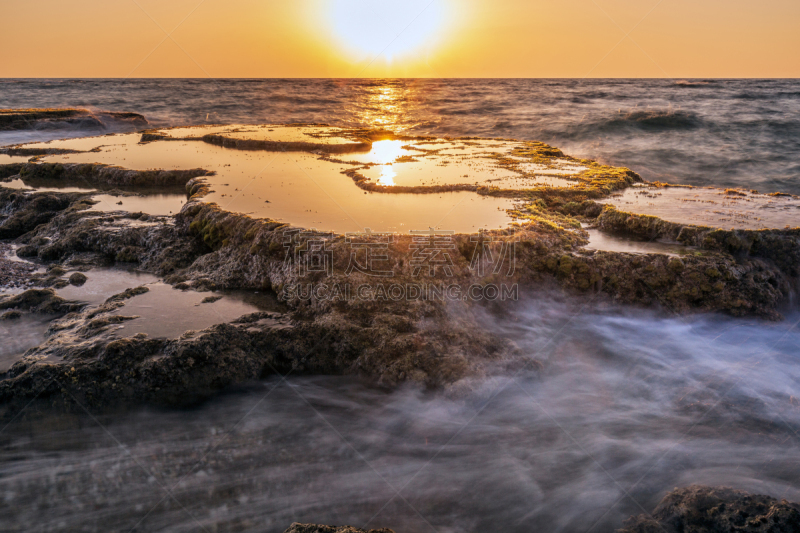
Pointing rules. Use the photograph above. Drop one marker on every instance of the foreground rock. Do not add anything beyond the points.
(699, 509)
(23, 119)
(13, 274)
(316, 528)
(694, 509)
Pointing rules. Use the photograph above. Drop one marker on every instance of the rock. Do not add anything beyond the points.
(676, 265)
(316, 528)
(27, 211)
(294, 146)
(77, 279)
(27, 251)
(10, 315)
(39, 301)
(23, 119)
(13, 273)
(699, 509)
(211, 299)
(13, 119)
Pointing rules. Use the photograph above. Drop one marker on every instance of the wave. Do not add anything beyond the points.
(664, 119)
(18, 128)
(637, 121)
(693, 83)
(302, 100)
(101, 120)
(761, 95)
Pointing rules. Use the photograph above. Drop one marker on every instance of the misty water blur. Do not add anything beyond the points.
(18, 335)
(629, 405)
(702, 132)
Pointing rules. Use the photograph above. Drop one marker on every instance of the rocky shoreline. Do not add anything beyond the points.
(435, 342)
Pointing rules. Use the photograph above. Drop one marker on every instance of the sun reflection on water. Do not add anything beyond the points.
(386, 106)
(385, 153)
(387, 176)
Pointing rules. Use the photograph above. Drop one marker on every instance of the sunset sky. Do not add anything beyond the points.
(409, 38)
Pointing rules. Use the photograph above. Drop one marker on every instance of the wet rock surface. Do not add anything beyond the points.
(82, 360)
(43, 174)
(21, 213)
(693, 509)
(38, 301)
(77, 279)
(13, 274)
(699, 509)
(24, 119)
(316, 528)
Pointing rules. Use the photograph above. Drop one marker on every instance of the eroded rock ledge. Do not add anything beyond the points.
(22, 119)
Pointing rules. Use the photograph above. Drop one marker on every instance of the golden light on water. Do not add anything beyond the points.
(386, 28)
(385, 153)
(387, 106)
(387, 176)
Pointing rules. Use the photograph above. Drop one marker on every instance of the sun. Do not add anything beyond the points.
(388, 28)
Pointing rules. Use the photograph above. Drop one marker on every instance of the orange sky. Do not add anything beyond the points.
(408, 38)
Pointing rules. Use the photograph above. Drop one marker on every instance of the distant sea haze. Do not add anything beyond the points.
(727, 133)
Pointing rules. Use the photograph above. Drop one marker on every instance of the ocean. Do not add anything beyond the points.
(742, 133)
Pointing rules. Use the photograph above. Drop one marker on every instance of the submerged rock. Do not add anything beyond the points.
(77, 279)
(316, 528)
(22, 213)
(24, 119)
(38, 301)
(101, 174)
(699, 509)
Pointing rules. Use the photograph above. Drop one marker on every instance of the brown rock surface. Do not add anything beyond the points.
(699, 509)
